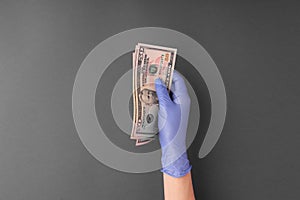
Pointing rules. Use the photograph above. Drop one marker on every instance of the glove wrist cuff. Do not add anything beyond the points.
(178, 168)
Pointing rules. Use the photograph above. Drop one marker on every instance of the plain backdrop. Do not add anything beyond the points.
(255, 45)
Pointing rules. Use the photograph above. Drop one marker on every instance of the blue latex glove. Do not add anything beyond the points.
(172, 123)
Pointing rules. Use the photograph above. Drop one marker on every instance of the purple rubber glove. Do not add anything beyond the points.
(172, 123)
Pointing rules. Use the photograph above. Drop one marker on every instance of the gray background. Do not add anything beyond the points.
(255, 44)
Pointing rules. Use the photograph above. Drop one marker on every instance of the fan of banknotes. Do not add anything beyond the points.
(149, 62)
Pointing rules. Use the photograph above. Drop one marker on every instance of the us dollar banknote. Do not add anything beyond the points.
(149, 63)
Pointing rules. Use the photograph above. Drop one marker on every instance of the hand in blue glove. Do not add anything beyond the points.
(172, 123)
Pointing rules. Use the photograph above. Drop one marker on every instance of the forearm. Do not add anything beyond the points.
(178, 188)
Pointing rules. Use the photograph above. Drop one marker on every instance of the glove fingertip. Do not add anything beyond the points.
(159, 85)
(159, 82)
(162, 92)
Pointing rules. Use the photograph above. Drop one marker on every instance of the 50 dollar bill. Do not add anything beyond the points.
(149, 62)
